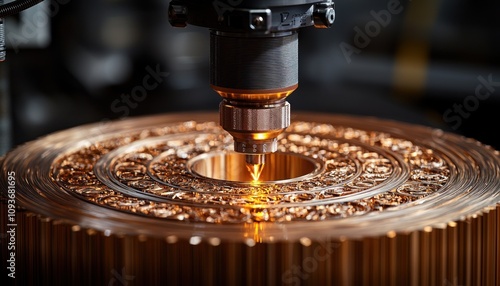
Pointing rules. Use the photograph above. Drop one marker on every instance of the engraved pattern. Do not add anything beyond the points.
(145, 173)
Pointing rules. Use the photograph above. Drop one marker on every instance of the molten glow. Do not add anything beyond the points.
(255, 171)
(254, 233)
(260, 136)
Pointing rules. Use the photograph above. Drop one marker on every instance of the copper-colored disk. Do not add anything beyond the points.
(351, 201)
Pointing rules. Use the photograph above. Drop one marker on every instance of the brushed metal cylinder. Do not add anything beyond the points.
(237, 118)
(255, 146)
(240, 62)
(255, 128)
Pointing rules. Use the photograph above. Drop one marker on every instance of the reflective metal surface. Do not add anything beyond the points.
(278, 168)
(383, 193)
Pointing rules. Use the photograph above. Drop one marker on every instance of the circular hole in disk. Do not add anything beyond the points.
(276, 168)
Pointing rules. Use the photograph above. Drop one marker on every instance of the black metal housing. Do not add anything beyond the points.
(247, 15)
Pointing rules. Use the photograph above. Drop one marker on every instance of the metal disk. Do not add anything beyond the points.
(345, 200)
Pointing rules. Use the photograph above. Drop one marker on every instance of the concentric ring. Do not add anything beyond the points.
(378, 177)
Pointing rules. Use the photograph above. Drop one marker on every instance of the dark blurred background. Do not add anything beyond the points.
(429, 62)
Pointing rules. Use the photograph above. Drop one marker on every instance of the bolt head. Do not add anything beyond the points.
(324, 17)
(330, 16)
(258, 22)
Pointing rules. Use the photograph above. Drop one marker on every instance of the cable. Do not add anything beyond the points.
(15, 7)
